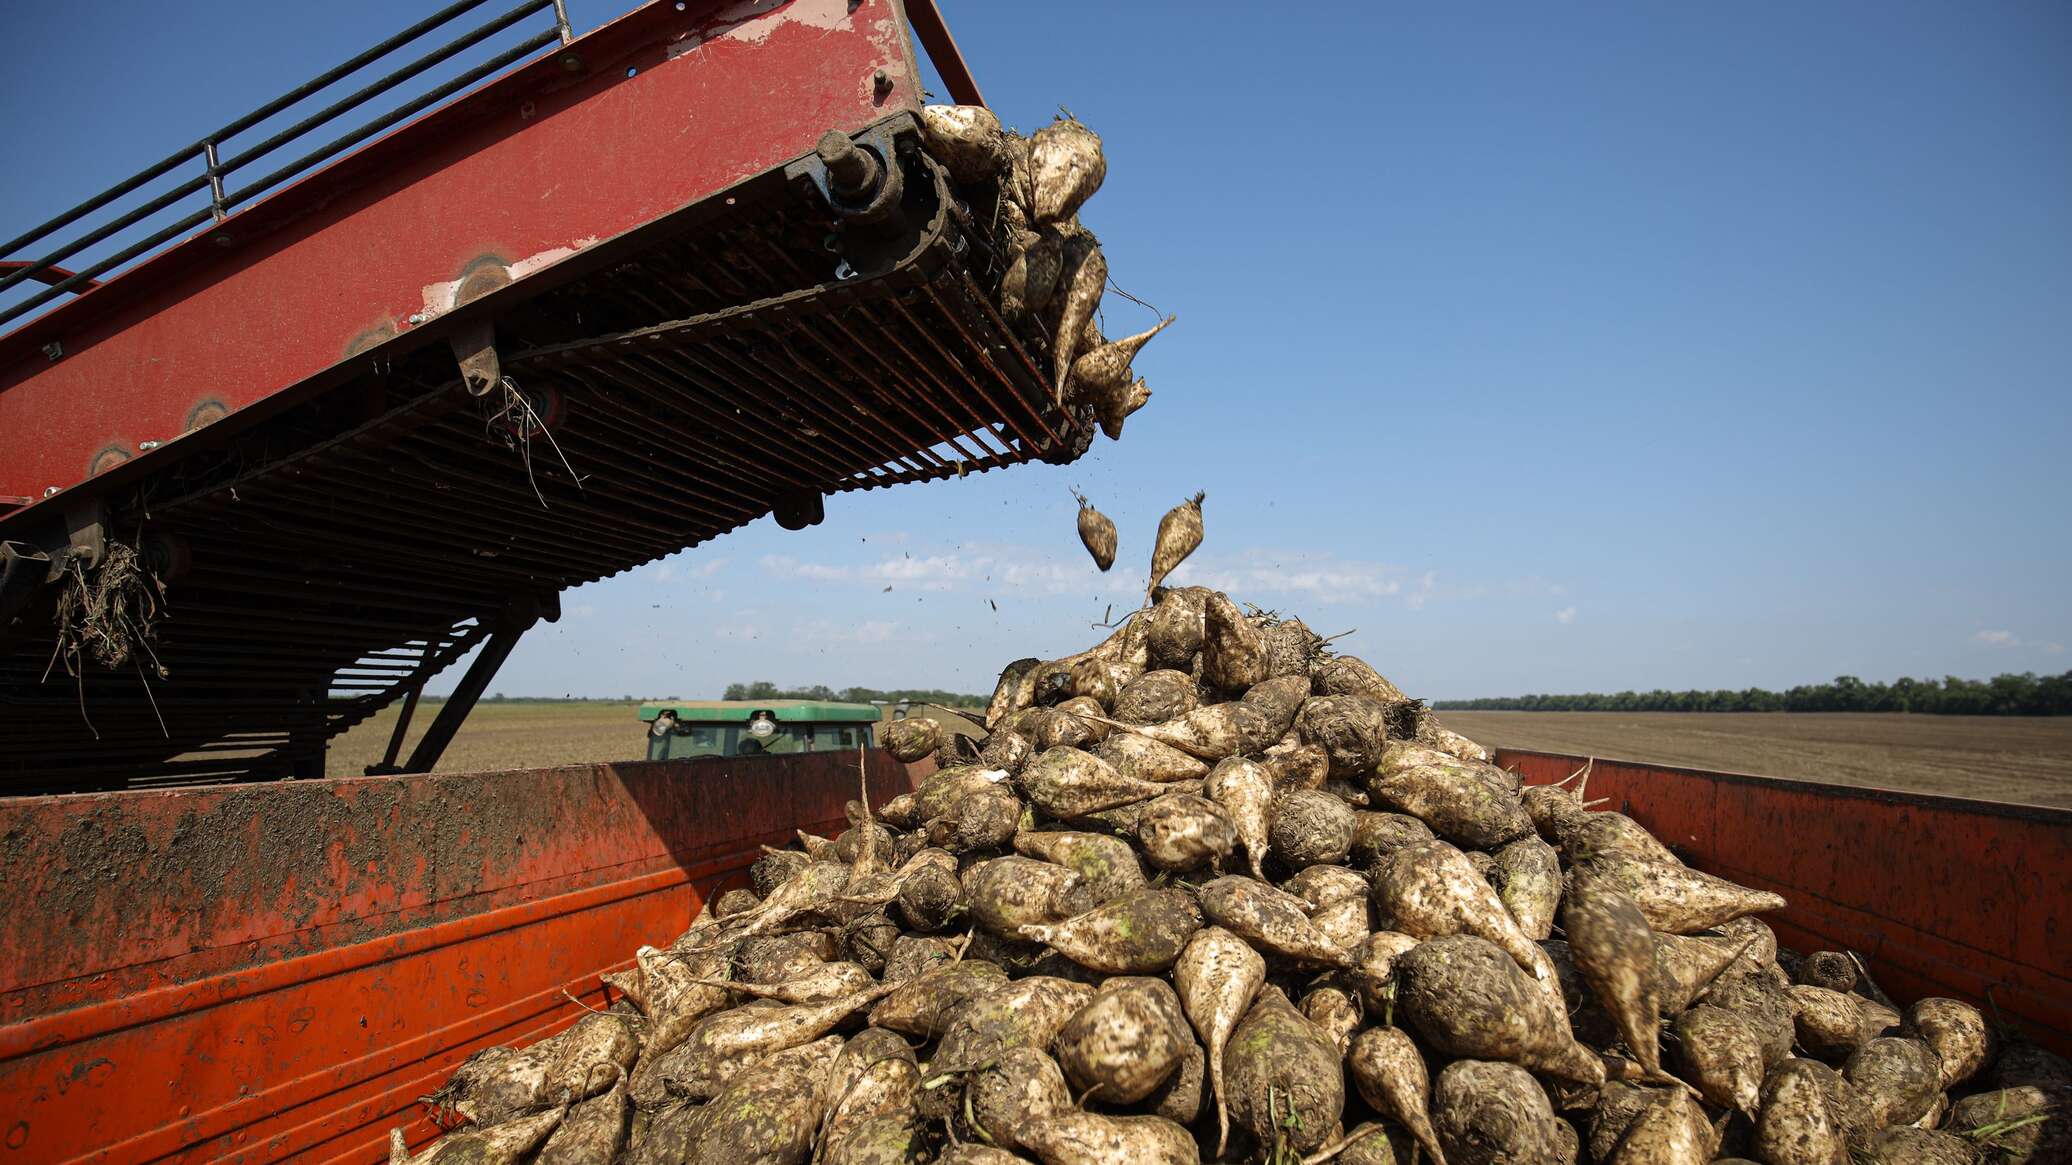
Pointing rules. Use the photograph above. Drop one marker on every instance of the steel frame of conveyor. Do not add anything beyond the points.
(331, 527)
(934, 383)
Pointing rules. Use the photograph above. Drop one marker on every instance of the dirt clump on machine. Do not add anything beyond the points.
(1209, 890)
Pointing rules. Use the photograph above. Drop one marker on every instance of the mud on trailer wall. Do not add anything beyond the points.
(262, 972)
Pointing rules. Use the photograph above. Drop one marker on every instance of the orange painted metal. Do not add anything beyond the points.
(1941, 896)
(279, 972)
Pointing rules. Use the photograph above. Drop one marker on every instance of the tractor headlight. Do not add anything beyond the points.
(762, 726)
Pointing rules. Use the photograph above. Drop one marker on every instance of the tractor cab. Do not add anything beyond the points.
(688, 728)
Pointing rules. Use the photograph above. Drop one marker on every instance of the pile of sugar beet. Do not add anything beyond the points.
(1209, 892)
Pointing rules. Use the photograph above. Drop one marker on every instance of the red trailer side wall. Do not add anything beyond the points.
(1940, 896)
(261, 973)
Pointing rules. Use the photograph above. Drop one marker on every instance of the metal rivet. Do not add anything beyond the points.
(417, 317)
(148, 446)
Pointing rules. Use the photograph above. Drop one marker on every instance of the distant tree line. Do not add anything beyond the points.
(500, 698)
(765, 690)
(2026, 694)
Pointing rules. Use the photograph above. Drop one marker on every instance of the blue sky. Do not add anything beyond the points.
(1592, 348)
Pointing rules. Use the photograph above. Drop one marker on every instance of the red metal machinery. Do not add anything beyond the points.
(615, 301)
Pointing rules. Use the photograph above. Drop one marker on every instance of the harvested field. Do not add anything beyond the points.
(1999, 758)
(508, 736)
(504, 736)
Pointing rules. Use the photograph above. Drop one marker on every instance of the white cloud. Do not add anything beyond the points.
(1263, 576)
(1565, 615)
(999, 570)
(2010, 639)
(669, 572)
(1427, 586)
(811, 633)
(1321, 578)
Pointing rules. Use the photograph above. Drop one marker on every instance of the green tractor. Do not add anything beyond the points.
(691, 728)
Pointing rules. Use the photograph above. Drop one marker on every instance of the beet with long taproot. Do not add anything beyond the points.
(1217, 976)
(1270, 919)
(1389, 1073)
(1082, 277)
(1431, 889)
(1179, 535)
(1211, 733)
(1467, 998)
(1066, 783)
(1245, 791)
(1139, 933)
(1026, 1012)
(1470, 805)
(1719, 1053)
(1680, 900)
(1614, 950)
(1088, 1138)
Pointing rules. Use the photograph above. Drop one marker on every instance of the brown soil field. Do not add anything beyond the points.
(507, 736)
(1998, 758)
(504, 736)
